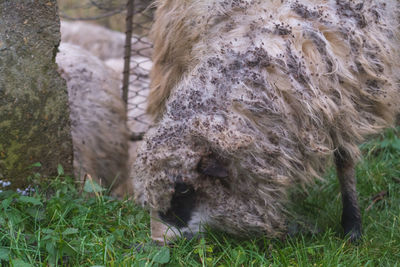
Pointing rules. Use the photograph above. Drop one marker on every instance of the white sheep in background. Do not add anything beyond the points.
(98, 119)
(108, 45)
(100, 41)
(252, 98)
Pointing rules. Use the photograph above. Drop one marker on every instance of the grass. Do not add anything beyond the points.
(60, 226)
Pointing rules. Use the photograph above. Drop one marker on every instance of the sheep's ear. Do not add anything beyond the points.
(212, 167)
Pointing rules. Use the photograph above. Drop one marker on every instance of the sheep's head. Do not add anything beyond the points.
(175, 182)
(202, 172)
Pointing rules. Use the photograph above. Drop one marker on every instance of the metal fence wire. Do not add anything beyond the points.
(139, 19)
(114, 14)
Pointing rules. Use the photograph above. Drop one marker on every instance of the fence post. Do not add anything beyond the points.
(127, 50)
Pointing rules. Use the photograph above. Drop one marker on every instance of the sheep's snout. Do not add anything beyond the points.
(188, 209)
(182, 204)
(180, 220)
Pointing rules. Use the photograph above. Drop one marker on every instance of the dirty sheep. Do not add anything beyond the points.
(98, 119)
(252, 98)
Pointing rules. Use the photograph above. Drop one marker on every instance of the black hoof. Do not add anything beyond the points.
(351, 219)
(354, 235)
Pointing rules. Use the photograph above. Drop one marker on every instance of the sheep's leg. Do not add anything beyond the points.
(351, 216)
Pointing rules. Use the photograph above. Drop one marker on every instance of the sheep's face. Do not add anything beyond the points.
(180, 189)
(194, 195)
(185, 217)
(187, 174)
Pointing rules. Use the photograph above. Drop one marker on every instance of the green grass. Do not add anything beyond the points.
(60, 226)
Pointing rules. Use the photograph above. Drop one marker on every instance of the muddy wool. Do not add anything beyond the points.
(251, 98)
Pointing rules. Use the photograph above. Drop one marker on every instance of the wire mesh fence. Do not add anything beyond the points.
(140, 64)
(109, 45)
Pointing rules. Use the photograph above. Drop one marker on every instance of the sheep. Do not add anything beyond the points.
(252, 98)
(109, 45)
(101, 42)
(100, 136)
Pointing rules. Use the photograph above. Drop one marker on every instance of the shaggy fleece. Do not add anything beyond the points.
(269, 89)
